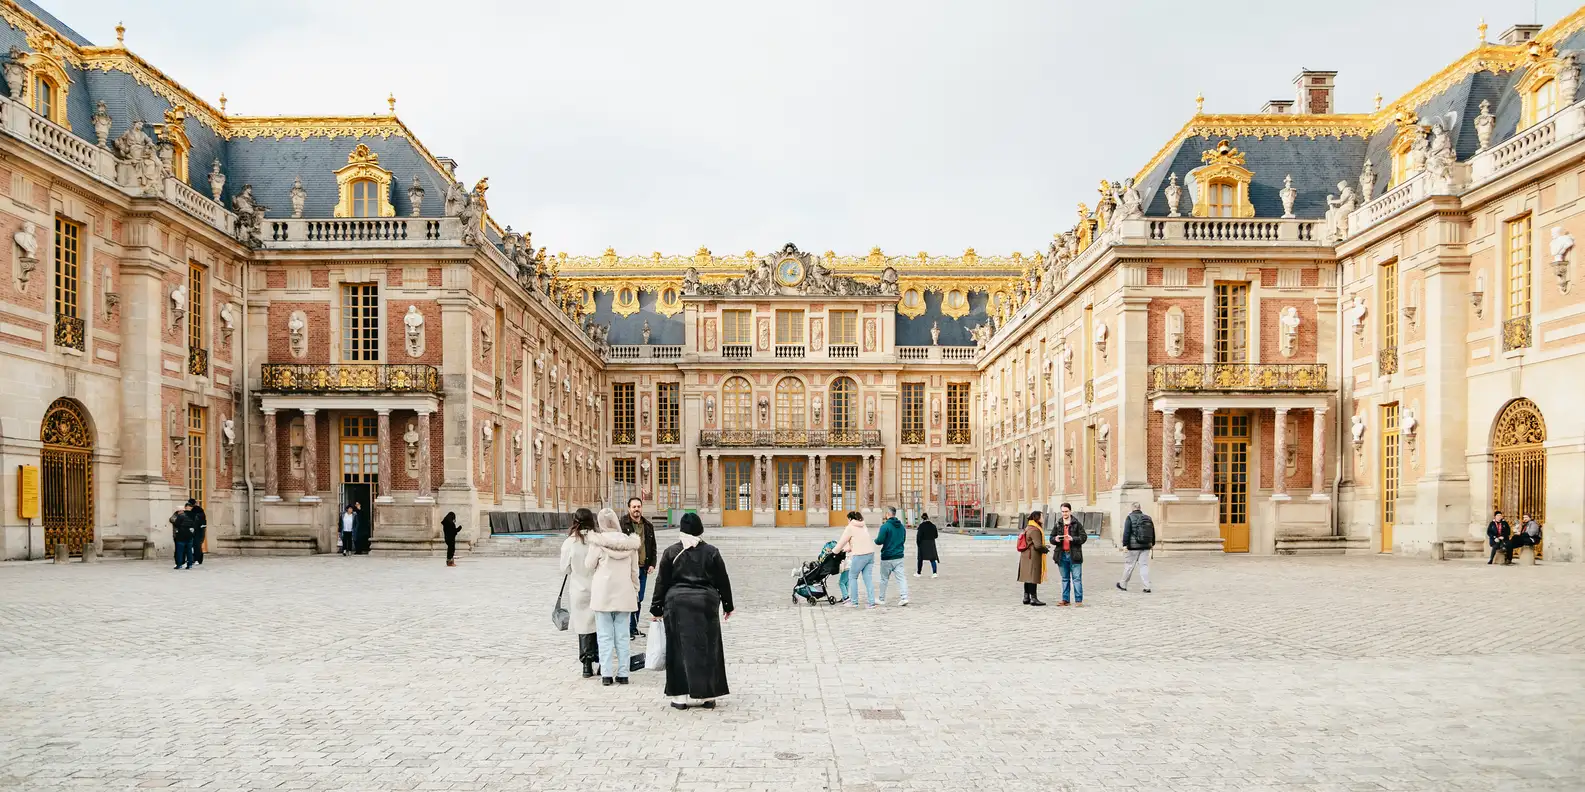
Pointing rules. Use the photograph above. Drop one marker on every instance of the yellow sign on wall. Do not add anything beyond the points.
(27, 492)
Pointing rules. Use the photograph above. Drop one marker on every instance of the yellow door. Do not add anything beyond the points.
(737, 492)
(790, 492)
(1232, 481)
(844, 489)
(1389, 474)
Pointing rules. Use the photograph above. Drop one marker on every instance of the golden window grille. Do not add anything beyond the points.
(735, 327)
(737, 405)
(844, 327)
(789, 327)
(68, 240)
(1232, 322)
(622, 424)
(1519, 267)
(195, 306)
(67, 477)
(1390, 459)
(1231, 480)
(843, 394)
(913, 413)
(669, 413)
(957, 412)
(360, 322)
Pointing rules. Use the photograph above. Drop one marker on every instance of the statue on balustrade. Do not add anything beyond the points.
(1439, 156)
(1338, 210)
(250, 218)
(299, 196)
(1485, 124)
(1129, 204)
(138, 160)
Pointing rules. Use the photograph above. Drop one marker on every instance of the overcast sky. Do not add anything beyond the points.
(836, 124)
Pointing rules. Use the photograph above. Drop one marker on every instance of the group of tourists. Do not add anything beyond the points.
(189, 528)
(890, 545)
(1504, 538)
(607, 562)
(1066, 541)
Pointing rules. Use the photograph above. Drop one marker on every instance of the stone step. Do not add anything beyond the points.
(123, 547)
(267, 545)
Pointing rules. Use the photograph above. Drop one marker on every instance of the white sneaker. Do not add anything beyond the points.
(902, 604)
(880, 601)
(935, 574)
(917, 574)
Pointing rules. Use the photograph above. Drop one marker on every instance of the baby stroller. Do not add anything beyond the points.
(811, 583)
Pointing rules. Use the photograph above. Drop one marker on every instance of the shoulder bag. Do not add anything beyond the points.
(559, 615)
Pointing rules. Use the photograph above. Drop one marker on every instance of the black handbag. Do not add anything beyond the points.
(559, 615)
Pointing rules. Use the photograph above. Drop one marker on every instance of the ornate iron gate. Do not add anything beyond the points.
(68, 477)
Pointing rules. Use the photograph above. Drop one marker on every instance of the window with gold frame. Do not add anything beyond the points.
(736, 327)
(844, 398)
(789, 327)
(1543, 101)
(844, 327)
(68, 241)
(360, 323)
(1390, 462)
(195, 306)
(913, 482)
(668, 417)
(790, 422)
(196, 431)
(913, 394)
(668, 483)
(365, 198)
(1518, 266)
(1232, 322)
(737, 405)
(622, 424)
(958, 413)
(360, 449)
(1389, 305)
(46, 98)
(1221, 199)
(624, 472)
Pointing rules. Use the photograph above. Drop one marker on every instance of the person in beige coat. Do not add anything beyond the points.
(613, 588)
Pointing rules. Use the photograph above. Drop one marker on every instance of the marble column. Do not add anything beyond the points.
(1207, 453)
(424, 483)
(384, 416)
(1167, 462)
(1318, 455)
(310, 455)
(272, 482)
(1279, 483)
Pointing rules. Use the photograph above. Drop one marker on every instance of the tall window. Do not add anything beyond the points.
(622, 429)
(957, 412)
(1544, 102)
(668, 483)
(1232, 322)
(365, 198)
(68, 237)
(360, 450)
(844, 327)
(737, 405)
(789, 327)
(1389, 473)
(1389, 305)
(844, 393)
(913, 412)
(1221, 197)
(960, 471)
(913, 494)
(44, 97)
(790, 423)
(195, 455)
(735, 327)
(669, 417)
(195, 306)
(624, 479)
(1519, 267)
(360, 322)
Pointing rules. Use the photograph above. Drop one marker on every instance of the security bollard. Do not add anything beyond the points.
(62, 554)
(90, 555)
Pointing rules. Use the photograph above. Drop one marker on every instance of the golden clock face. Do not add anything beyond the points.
(790, 272)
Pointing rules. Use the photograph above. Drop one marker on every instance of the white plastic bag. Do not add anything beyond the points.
(655, 650)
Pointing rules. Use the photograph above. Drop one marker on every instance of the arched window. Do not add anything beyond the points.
(1222, 198)
(1543, 101)
(737, 405)
(365, 198)
(44, 97)
(790, 424)
(844, 398)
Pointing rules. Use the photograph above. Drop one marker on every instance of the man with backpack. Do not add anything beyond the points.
(1139, 535)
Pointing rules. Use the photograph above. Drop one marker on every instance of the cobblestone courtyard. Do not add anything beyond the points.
(334, 673)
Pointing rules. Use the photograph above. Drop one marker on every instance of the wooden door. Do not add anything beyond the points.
(737, 491)
(790, 492)
(1232, 480)
(1389, 474)
(844, 489)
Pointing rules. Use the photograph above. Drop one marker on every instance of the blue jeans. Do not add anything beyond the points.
(184, 554)
(894, 568)
(643, 583)
(921, 567)
(843, 580)
(610, 635)
(1072, 576)
(863, 566)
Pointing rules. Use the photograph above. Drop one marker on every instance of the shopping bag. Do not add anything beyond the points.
(655, 651)
(559, 616)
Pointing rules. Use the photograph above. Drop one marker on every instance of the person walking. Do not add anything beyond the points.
(449, 529)
(574, 558)
(1139, 535)
(200, 529)
(692, 589)
(1032, 559)
(925, 546)
(182, 535)
(1067, 540)
(613, 559)
(893, 540)
(856, 542)
(634, 522)
(349, 531)
(1497, 533)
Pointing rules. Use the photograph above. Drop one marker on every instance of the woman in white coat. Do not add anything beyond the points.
(613, 558)
(574, 552)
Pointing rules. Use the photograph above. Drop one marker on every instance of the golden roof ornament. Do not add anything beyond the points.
(1482, 28)
(1223, 154)
(1199, 103)
(222, 102)
(1378, 100)
(361, 155)
(390, 101)
(121, 34)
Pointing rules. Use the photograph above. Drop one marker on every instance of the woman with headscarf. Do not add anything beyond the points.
(613, 559)
(574, 564)
(1032, 559)
(448, 527)
(693, 589)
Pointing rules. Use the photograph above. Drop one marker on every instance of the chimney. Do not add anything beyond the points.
(1519, 34)
(1278, 107)
(1314, 90)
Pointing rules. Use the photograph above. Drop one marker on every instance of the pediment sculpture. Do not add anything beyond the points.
(790, 271)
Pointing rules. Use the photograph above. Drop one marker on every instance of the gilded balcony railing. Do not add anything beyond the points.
(1387, 361)
(70, 332)
(913, 437)
(350, 377)
(812, 438)
(668, 434)
(958, 436)
(198, 361)
(1516, 333)
(1265, 377)
(624, 436)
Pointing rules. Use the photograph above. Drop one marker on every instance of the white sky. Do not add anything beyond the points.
(836, 124)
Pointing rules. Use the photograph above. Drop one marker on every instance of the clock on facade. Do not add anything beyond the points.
(790, 272)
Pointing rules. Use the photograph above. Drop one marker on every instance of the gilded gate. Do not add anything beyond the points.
(68, 476)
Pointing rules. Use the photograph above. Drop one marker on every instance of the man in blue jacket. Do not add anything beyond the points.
(892, 539)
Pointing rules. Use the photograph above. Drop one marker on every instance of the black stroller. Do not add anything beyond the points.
(811, 583)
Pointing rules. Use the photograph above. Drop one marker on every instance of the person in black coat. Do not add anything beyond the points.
(925, 538)
(693, 589)
(449, 529)
(200, 530)
(1497, 533)
(182, 525)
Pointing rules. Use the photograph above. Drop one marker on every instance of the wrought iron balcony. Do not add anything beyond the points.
(198, 361)
(1515, 333)
(70, 332)
(767, 438)
(349, 378)
(1233, 377)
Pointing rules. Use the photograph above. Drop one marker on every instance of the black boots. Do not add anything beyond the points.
(606, 681)
(1026, 598)
(1036, 602)
(588, 670)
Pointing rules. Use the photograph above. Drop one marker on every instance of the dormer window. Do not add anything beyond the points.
(44, 78)
(1220, 199)
(1539, 97)
(1222, 183)
(365, 198)
(364, 187)
(44, 97)
(1544, 100)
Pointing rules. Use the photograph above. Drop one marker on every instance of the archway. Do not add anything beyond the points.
(67, 486)
(1519, 462)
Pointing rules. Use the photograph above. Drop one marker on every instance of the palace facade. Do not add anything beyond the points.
(1292, 331)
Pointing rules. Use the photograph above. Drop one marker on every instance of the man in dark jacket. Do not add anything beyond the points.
(1067, 542)
(893, 538)
(182, 529)
(634, 521)
(1497, 533)
(200, 529)
(1139, 535)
